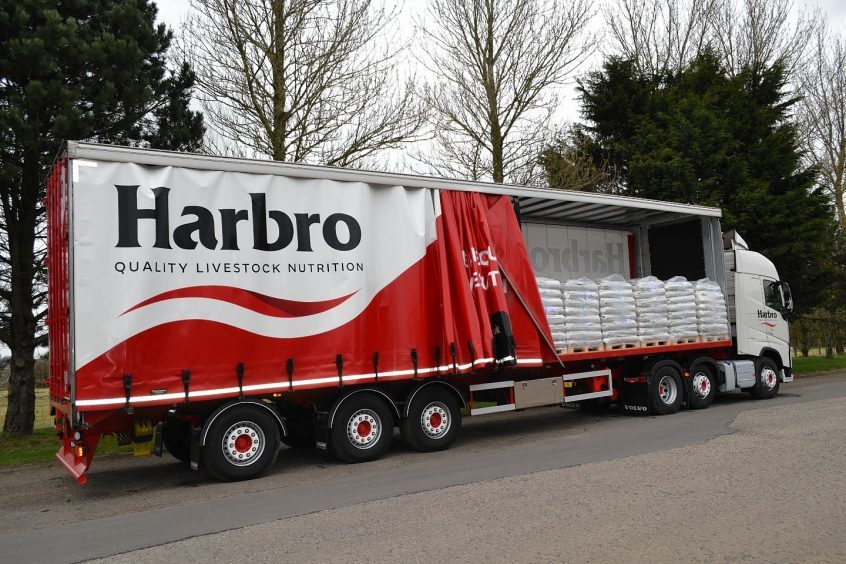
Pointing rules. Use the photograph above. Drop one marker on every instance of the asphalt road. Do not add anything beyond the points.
(529, 459)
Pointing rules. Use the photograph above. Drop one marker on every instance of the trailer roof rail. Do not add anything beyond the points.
(539, 204)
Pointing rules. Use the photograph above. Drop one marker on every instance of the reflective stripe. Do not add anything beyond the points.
(283, 386)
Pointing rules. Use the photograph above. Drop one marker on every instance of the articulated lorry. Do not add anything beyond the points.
(219, 308)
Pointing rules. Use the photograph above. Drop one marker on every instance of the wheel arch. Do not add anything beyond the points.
(440, 384)
(774, 355)
(280, 422)
(700, 361)
(658, 364)
(388, 400)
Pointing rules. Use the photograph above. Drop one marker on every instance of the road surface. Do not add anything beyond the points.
(743, 479)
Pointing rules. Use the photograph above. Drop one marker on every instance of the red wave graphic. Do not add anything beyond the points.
(247, 299)
(770, 325)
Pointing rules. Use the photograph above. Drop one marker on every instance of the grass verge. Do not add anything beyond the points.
(816, 364)
(42, 445)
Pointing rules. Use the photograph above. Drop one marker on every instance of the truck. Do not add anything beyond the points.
(220, 308)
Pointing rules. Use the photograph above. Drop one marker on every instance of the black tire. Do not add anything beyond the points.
(242, 443)
(362, 429)
(766, 379)
(176, 438)
(434, 420)
(702, 387)
(665, 390)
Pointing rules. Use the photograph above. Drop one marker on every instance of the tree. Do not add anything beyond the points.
(300, 80)
(708, 136)
(496, 62)
(660, 36)
(761, 33)
(569, 165)
(823, 114)
(89, 69)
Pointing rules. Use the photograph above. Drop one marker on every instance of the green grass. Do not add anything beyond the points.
(43, 443)
(814, 364)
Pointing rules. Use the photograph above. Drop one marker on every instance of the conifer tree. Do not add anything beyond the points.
(83, 70)
(704, 135)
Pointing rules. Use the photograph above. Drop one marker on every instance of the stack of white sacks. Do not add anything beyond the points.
(681, 309)
(618, 311)
(711, 315)
(581, 313)
(585, 315)
(553, 305)
(651, 303)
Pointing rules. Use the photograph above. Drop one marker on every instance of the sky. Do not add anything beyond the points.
(172, 12)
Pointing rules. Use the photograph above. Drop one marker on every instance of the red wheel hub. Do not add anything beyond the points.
(703, 386)
(364, 428)
(435, 420)
(243, 443)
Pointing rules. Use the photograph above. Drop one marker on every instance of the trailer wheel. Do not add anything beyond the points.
(433, 422)
(176, 437)
(766, 379)
(665, 390)
(362, 429)
(703, 387)
(241, 444)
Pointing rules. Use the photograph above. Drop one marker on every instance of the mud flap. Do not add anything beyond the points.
(634, 397)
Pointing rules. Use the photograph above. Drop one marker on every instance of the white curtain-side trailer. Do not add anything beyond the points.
(218, 308)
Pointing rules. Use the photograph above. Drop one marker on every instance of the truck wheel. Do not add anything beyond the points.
(176, 437)
(362, 429)
(665, 390)
(433, 422)
(703, 387)
(766, 379)
(242, 444)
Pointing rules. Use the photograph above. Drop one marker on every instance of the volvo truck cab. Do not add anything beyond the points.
(760, 305)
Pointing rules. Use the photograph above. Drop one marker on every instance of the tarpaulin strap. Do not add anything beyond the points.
(376, 366)
(453, 353)
(414, 361)
(289, 366)
(438, 359)
(127, 389)
(186, 380)
(239, 372)
(339, 362)
(472, 357)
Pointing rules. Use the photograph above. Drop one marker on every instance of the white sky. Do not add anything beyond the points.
(172, 12)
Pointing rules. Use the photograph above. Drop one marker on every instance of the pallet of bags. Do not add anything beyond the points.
(553, 306)
(618, 313)
(653, 325)
(711, 313)
(581, 314)
(681, 310)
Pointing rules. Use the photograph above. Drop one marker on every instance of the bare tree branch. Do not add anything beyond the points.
(823, 113)
(300, 80)
(495, 62)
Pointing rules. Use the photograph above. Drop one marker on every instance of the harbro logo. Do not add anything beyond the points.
(339, 231)
(574, 259)
(767, 314)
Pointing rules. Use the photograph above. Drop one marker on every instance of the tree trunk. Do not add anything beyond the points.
(20, 415)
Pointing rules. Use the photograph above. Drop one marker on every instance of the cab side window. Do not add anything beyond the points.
(772, 295)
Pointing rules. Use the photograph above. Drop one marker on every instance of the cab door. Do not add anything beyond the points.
(774, 318)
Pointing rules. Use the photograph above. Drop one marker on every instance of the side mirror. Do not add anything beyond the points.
(786, 298)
